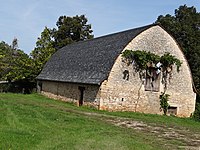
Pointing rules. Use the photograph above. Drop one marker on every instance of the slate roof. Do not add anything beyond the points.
(90, 61)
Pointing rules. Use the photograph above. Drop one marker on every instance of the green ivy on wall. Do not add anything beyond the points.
(143, 59)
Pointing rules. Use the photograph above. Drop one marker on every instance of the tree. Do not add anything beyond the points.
(5, 59)
(43, 50)
(71, 29)
(21, 67)
(14, 43)
(184, 26)
(15, 65)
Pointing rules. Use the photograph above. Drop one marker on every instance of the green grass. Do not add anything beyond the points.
(35, 122)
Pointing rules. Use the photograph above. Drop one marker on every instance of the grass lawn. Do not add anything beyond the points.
(35, 122)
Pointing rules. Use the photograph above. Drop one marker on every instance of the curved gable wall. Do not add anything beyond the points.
(130, 95)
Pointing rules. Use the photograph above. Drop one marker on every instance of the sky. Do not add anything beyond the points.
(26, 19)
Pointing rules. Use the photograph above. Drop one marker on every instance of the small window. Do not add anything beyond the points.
(152, 80)
(126, 75)
(172, 110)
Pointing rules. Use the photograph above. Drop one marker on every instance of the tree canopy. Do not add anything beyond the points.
(71, 29)
(43, 50)
(14, 63)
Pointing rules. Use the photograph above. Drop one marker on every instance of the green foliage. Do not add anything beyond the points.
(184, 26)
(197, 112)
(143, 58)
(14, 64)
(168, 60)
(43, 51)
(5, 59)
(196, 115)
(21, 67)
(164, 102)
(71, 29)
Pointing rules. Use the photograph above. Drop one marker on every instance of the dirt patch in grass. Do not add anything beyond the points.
(182, 137)
(188, 139)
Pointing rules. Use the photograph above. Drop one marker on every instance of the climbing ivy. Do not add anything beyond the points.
(168, 60)
(143, 60)
(140, 58)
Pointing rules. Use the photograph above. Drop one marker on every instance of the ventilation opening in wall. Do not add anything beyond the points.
(126, 75)
(172, 110)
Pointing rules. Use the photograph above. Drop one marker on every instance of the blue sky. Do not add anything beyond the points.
(25, 20)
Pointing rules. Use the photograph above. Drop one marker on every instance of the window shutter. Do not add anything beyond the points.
(152, 80)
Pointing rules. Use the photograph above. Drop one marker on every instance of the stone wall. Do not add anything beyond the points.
(70, 92)
(129, 95)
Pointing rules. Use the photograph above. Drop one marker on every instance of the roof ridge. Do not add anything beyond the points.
(112, 34)
(123, 31)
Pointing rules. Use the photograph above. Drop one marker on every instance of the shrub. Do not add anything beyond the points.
(164, 102)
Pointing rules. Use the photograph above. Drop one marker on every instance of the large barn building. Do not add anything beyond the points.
(92, 73)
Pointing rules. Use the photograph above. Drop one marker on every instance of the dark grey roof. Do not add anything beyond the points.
(88, 61)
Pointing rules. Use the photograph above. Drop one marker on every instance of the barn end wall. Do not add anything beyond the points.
(130, 95)
(70, 92)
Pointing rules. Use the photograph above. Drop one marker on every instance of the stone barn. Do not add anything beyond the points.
(92, 73)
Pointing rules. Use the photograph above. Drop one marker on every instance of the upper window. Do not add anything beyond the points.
(152, 80)
(126, 75)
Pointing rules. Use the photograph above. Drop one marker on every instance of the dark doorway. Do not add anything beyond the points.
(39, 88)
(81, 89)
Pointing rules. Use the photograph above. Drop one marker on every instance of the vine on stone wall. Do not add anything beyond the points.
(142, 61)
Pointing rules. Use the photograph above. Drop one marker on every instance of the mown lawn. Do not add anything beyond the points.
(36, 122)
